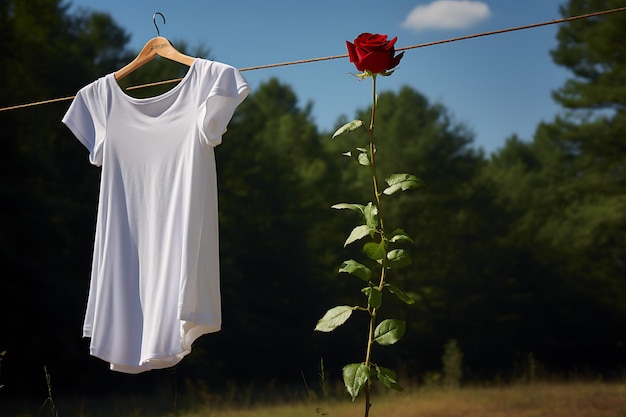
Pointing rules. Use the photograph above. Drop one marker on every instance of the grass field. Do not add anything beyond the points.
(540, 399)
(574, 399)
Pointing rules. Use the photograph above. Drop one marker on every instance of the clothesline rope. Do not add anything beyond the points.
(332, 57)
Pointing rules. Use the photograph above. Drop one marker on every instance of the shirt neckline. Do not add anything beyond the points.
(153, 99)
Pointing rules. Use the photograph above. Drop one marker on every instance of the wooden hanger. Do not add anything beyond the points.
(156, 46)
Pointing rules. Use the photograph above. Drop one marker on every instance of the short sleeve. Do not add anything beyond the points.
(86, 119)
(229, 89)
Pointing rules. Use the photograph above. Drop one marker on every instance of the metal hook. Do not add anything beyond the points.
(154, 21)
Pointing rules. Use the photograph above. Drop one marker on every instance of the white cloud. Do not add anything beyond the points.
(447, 14)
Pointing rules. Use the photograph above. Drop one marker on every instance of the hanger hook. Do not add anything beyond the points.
(155, 23)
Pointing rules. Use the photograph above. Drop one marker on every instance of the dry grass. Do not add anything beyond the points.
(540, 399)
(573, 399)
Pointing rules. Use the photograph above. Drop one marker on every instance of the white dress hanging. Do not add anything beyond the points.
(155, 275)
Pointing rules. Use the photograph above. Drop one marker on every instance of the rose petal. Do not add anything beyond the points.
(373, 52)
(396, 60)
(352, 52)
(375, 62)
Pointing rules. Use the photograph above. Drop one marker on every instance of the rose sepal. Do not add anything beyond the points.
(387, 73)
(362, 76)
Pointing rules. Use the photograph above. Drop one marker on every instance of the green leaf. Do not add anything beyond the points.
(388, 378)
(370, 213)
(358, 270)
(374, 296)
(334, 318)
(389, 331)
(401, 182)
(355, 376)
(400, 235)
(350, 206)
(357, 233)
(348, 127)
(375, 251)
(364, 159)
(398, 258)
(364, 156)
(400, 294)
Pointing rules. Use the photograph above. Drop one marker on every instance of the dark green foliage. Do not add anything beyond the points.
(270, 170)
(562, 196)
(517, 253)
(47, 186)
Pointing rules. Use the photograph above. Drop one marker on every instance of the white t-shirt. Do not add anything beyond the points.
(155, 275)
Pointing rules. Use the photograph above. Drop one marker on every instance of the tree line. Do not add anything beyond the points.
(517, 253)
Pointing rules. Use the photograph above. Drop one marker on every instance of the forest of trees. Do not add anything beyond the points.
(522, 252)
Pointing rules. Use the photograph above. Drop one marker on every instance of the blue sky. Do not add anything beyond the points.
(497, 85)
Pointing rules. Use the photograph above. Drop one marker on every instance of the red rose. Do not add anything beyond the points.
(373, 53)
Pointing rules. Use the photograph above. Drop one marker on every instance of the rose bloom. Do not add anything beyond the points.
(373, 53)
